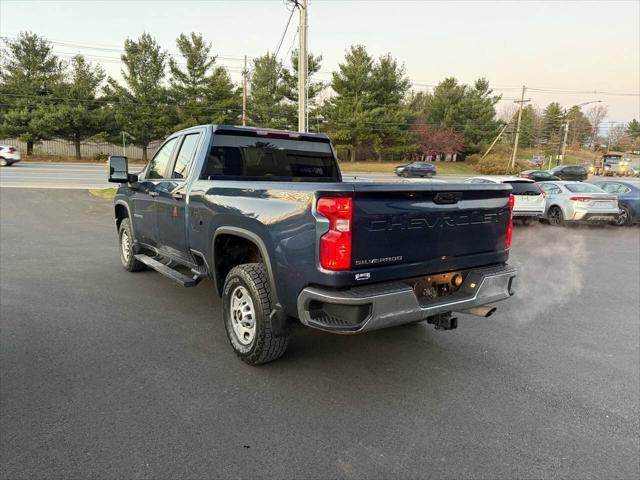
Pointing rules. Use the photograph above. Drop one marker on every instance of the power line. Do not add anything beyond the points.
(284, 33)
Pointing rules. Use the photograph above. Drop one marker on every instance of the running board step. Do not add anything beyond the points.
(169, 272)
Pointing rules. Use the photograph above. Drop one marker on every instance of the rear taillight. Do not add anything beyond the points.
(335, 245)
(581, 199)
(507, 243)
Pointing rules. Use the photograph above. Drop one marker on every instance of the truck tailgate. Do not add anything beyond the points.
(395, 224)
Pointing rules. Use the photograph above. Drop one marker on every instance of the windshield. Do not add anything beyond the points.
(235, 157)
(524, 188)
(583, 188)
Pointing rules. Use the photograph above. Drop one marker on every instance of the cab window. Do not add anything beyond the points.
(185, 155)
(160, 161)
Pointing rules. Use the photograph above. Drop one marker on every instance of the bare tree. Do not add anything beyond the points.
(619, 139)
(507, 111)
(596, 114)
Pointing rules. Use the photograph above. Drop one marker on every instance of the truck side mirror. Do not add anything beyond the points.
(118, 169)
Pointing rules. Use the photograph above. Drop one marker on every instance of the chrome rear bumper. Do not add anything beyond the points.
(371, 307)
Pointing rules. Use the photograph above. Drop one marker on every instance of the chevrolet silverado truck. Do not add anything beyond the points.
(285, 240)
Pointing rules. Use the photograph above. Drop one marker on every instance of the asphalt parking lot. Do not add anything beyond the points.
(108, 374)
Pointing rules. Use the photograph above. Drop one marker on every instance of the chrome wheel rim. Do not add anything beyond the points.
(243, 315)
(554, 216)
(125, 245)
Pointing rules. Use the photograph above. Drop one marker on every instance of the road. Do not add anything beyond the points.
(109, 374)
(83, 175)
(56, 175)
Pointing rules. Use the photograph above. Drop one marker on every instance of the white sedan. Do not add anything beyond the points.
(578, 202)
(529, 200)
(8, 155)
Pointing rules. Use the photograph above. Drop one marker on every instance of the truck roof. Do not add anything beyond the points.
(256, 131)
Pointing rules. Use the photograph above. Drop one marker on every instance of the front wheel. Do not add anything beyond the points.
(127, 254)
(556, 217)
(4, 162)
(429, 175)
(246, 310)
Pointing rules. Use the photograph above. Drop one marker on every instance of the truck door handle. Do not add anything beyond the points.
(153, 194)
(177, 195)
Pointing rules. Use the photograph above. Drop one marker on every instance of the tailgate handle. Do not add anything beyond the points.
(447, 198)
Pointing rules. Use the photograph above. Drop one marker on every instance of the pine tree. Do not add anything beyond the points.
(349, 111)
(579, 126)
(552, 119)
(268, 91)
(80, 115)
(390, 114)
(633, 129)
(29, 75)
(141, 105)
(203, 92)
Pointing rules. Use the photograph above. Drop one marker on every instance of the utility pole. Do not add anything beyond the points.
(302, 67)
(564, 141)
(244, 93)
(495, 141)
(522, 101)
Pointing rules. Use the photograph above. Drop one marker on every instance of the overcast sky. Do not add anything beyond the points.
(576, 46)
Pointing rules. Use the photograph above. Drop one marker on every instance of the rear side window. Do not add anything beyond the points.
(234, 157)
(551, 188)
(575, 169)
(160, 162)
(582, 188)
(524, 188)
(185, 155)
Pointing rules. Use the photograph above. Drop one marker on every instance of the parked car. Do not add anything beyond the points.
(8, 155)
(416, 169)
(578, 202)
(266, 215)
(538, 175)
(628, 193)
(529, 200)
(570, 172)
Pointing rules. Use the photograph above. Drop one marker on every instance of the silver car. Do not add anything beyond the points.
(578, 202)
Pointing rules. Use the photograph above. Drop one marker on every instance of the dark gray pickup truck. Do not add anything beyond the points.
(267, 216)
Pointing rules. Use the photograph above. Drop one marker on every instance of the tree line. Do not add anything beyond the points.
(370, 110)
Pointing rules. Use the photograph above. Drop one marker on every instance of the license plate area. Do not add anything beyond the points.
(433, 287)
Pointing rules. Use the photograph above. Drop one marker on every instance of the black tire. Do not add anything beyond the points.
(624, 219)
(263, 346)
(128, 259)
(555, 216)
(528, 221)
(429, 175)
(4, 162)
(405, 174)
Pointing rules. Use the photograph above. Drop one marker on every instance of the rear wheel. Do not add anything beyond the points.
(127, 254)
(556, 217)
(247, 305)
(429, 175)
(624, 218)
(4, 162)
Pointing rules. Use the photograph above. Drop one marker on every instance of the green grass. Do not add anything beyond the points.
(444, 168)
(106, 193)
